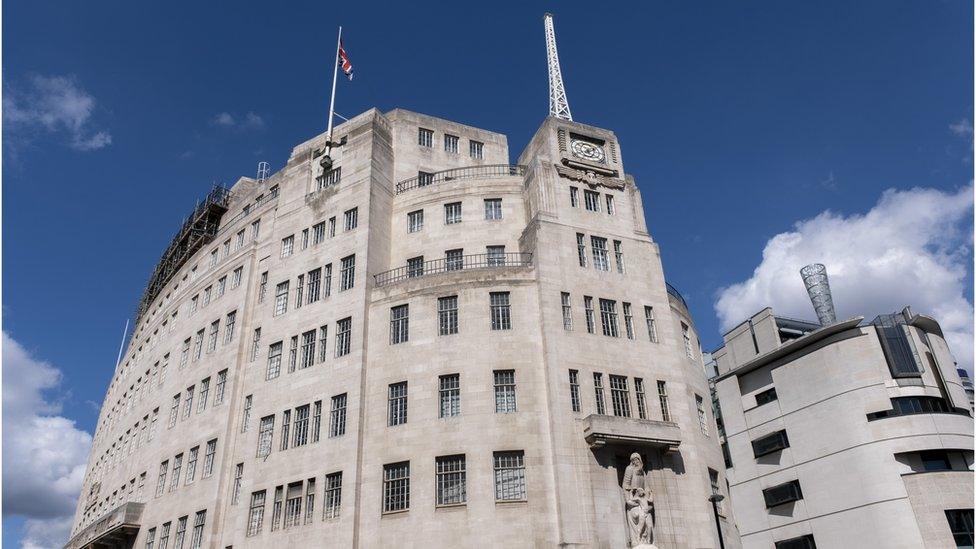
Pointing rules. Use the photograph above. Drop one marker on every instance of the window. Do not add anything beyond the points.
(255, 515)
(906, 406)
(164, 535)
(501, 313)
(188, 402)
(424, 179)
(327, 280)
(236, 277)
(281, 298)
(329, 178)
(397, 404)
(343, 336)
(590, 319)
(574, 390)
(285, 430)
(239, 243)
(802, 542)
(351, 219)
(287, 245)
(425, 137)
(308, 349)
(601, 407)
(337, 416)
(317, 421)
(495, 256)
(185, 353)
(581, 248)
(702, 416)
(610, 207)
(415, 267)
(447, 315)
(450, 143)
(451, 480)
(454, 259)
(332, 227)
(238, 482)
(619, 396)
(399, 324)
(961, 526)
(347, 273)
(477, 149)
(174, 411)
(274, 361)
(221, 388)
(935, 460)
(180, 533)
(574, 197)
(618, 255)
(150, 538)
(629, 320)
(198, 521)
(783, 493)
(309, 499)
(686, 337)
(415, 221)
(333, 495)
(198, 346)
(567, 311)
(600, 261)
(214, 256)
(396, 487)
(592, 200)
(318, 233)
(493, 209)
(177, 467)
(450, 395)
(641, 398)
(765, 397)
(770, 443)
(314, 282)
(276, 508)
(265, 435)
(323, 339)
(301, 426)
(161, 479)
(509, 476)
(208, 458)
(504, 391)
(263, 288)
(300, 291)
(452, 213)
(212, 339)
(221, 286)
(229, 327)
(255, 229)
(255, 344)
(193, 303)
(651, 326)
(608, 317)
(662, 395)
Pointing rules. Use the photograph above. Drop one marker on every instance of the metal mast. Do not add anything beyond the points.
(558, 104)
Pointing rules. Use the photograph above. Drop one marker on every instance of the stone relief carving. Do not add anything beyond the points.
(589, 177)
(639, 504)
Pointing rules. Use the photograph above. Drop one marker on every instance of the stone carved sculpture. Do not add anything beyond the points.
(639, 504)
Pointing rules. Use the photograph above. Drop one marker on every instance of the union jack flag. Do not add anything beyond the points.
(344, 60)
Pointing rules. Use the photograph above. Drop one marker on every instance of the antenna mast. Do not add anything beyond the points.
(558, 104)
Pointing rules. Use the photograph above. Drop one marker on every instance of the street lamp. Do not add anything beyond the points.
(715, 498)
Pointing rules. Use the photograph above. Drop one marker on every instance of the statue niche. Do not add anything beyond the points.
(639, 504)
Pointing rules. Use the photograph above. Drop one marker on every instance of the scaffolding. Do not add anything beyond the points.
(198, 230)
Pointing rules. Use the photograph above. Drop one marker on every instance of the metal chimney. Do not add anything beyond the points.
(818, 288)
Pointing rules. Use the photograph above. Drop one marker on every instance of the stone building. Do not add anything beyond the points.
(415, 344)
(850, 434)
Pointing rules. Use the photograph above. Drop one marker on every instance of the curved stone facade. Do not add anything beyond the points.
(465, 376)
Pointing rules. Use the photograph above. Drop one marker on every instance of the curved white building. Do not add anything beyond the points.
(421, 345)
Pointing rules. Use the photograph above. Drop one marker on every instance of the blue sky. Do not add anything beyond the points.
(737, 120)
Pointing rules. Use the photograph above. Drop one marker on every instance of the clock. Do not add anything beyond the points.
(587, 150)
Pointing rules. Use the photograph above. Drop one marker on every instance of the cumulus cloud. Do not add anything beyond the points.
(44, 453)
(962, 128)
(912, 248)
(248, 121)
(53, 104)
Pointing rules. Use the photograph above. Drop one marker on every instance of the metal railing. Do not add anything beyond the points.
(471, 172)
(452, 264)
(674, 292)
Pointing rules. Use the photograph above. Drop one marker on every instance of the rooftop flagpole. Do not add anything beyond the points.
(335, 74)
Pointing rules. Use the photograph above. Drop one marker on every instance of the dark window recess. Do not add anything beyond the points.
(935, 460)
(898, 348)
(784, 493)
(802, 542)
(961, 526)
(726, 455)
(770, 443)
(907, 406)
(765, 397)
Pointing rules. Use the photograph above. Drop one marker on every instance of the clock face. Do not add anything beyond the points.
(588, 151)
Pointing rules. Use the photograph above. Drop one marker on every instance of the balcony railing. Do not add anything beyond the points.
(452, 264)
(472, 172)
(674, 292)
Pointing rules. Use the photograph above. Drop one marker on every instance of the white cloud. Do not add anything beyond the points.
(44, 454)
(54, 104)
(962, 128)
(249, 121)
(912, 248)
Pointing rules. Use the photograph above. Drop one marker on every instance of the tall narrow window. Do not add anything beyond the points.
(229, 327)
(255, 229)
(574, 390)
(309, 499)
(314, 281)
(397, 403)
(618, 254)
(504, 391)
(161, 479)
(396, 487)
(332, 227)
(651, 326)
(263, 287)
(415, 267)
(164, 535)
(274, 361)
(174, 411)
(641, 398)
(255, 515)
(235, 280)
(702, 417)
(450, 143)
(610, 207)
(686, 338)
(590, 319)
(415, 221)
(198, 345)
(476, 148)
(495, 256)
(281, 298)
(265, 436)
(337, 416)
(150, 538)
(285, 430)
(960, 525)
(399, 324)
(425, 137)
(327, 280)
(608, 317)
(301, 426)
(221, 388)
(208, 458)
(620, 396)
(316, 420)
(447, 315)
(287, 245)
(493, 209)
(293, 505)
(308, 349)
(601, 407)
(239, 243)
(451, 480)
(454, 259)
(276, 508)
(185, 353)
(581, 248)
(452, 213)
(567, 311)
(343, 336)
(323, 339)
(212, 339)
(450, 395)
(333, 495)
(177, 467)
(600, 261)
(509, 476)
(662, 396)
(347, 273)
(592, 200)
(188, 402)
(221, 286)
(235, 495)
(255, 344)
(501, 312)
(300, 291)
(351, 219)
(180, 532)
(574, 197)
